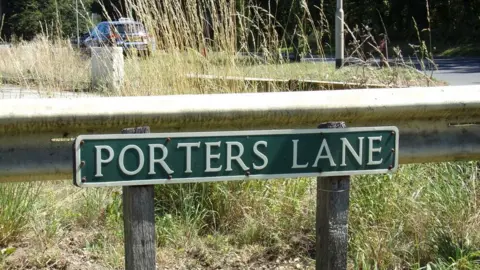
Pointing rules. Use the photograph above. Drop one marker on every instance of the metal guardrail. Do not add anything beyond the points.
(435, 123)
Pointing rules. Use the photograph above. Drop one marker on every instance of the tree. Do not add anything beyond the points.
(27, 18)
(448, 20)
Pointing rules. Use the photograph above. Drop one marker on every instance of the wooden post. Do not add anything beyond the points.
(139, 222)
(332, 218)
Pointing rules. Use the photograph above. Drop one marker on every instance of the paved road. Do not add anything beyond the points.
(453, 70)
(458, 70)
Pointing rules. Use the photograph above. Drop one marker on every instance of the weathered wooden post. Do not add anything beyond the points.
(333, 198)
(139, 221)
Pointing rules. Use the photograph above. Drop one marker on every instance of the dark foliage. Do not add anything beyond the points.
(450, 21)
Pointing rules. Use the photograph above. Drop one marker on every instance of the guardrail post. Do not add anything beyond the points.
(107, 68)
(333, 198)
(139, 222)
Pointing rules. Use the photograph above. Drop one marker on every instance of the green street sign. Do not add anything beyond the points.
(168, 158)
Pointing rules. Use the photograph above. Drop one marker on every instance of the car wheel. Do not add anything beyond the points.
(144, 53)
(147, 53)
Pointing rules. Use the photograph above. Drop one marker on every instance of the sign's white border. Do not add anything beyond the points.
(77, 149)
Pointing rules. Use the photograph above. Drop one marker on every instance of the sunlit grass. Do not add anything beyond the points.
(423, 214)
(244, 44)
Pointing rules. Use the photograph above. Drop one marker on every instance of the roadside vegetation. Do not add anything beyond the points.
(422, 217)
(243, 42)
(461, 50)
(57, 66)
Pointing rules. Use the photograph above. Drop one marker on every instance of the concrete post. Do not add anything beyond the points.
(107, 69)
(339, 35)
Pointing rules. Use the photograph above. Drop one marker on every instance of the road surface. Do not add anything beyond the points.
(458, 70)
(453, 70)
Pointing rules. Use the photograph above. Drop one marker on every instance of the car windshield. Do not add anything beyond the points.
(130, 28)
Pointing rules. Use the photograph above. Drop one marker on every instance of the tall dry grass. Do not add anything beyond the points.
(44, 64)
(205, 37)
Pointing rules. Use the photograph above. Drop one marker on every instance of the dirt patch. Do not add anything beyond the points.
(249, 257)
(73, 252)
(68, 254)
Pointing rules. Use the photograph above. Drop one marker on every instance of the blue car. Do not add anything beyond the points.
(125, 33)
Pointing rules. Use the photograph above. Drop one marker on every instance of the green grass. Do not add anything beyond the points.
(425, 216)
(422, 215)
(169, 72)
(466, 50)
(439, 48)
(16, 201)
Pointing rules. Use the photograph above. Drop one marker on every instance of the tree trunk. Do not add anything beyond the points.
(1, 10)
